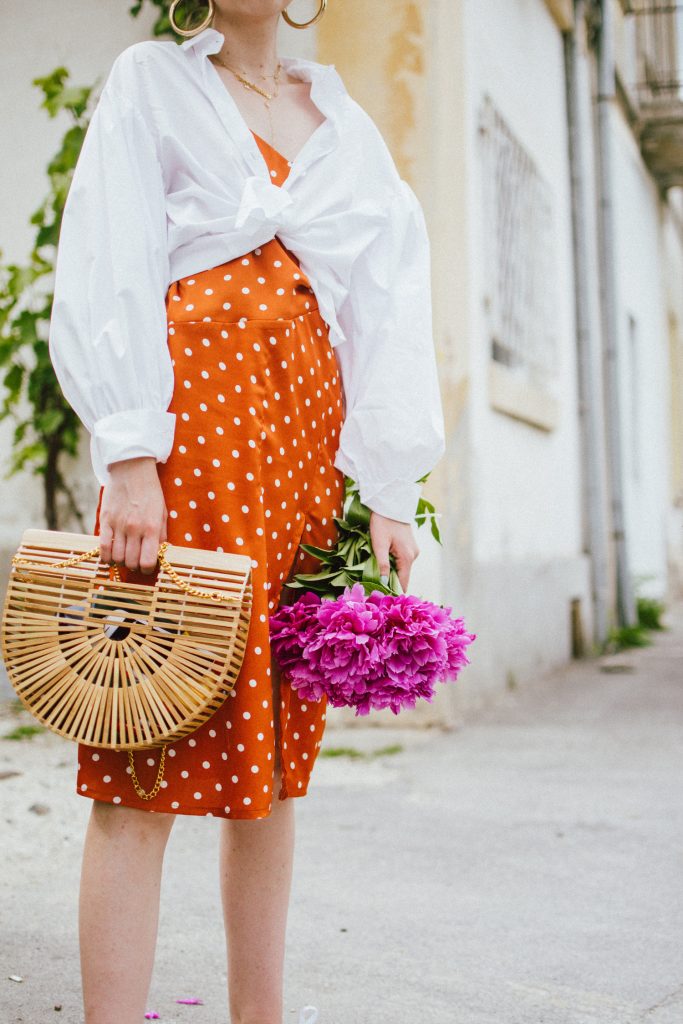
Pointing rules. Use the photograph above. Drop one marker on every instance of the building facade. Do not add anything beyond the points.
(544, 140)
(554, 209)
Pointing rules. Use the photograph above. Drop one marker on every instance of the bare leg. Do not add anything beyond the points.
(256, 870)
(119, 910)
(256, 860)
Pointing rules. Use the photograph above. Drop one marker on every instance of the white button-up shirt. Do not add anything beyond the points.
(170, 181)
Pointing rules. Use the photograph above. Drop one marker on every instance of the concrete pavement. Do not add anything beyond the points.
(524, 869)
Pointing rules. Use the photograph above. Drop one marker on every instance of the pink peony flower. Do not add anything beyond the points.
(368, 651)
(294, 624)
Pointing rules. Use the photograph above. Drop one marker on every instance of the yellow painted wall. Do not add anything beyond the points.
(380, 50)
(403, 61)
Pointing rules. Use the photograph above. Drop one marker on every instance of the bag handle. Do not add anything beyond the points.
(213, 595)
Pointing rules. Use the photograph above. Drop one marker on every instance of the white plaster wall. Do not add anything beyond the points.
(672, 255)
(525, 518)
(644, 365)
(527, 480)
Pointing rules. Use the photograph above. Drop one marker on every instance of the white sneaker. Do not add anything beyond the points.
(308, 1015)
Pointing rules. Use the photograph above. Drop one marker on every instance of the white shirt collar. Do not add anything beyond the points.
(327, 92)
(324, 77)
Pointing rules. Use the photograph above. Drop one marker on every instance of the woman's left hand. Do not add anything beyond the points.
(390, 536)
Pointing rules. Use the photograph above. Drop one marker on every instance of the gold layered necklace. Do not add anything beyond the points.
(251, 85)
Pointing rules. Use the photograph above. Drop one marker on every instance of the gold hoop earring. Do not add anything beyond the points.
(191, 31)
(304, 24)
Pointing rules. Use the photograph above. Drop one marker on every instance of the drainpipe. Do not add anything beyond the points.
(589, 351)
(606, 103)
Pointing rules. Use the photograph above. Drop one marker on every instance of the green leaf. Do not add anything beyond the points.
(358, 514)
(48, 422)
(371, 569)
(13, 378)
(322, 553)
(321, 576)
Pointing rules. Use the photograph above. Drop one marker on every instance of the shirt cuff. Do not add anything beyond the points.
(397, 500)
(130, 434)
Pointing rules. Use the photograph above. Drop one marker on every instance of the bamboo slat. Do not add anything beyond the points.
(123, 665)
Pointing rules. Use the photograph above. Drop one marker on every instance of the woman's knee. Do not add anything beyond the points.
(116, 818)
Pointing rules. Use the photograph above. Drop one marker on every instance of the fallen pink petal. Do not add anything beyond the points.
(191, 1002)
(151, 1015)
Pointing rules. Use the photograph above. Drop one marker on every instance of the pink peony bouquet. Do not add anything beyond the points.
(357, 641)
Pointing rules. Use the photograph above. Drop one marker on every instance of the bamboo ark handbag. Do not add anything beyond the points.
(123, 665)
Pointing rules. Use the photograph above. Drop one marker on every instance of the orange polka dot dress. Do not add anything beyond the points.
(259, 405)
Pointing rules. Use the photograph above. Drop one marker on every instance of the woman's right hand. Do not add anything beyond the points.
(133, 515)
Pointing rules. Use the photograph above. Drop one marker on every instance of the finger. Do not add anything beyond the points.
(149, 553)
(118, 546)
(132, 556)
(403, 573)
(380, 547)
(106, 536)
(403, 579)
(404, 558)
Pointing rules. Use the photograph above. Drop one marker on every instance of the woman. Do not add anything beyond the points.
(241, 317)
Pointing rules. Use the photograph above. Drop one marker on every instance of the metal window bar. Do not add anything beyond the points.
(521, 269)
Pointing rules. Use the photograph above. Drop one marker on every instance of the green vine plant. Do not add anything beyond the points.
(45, 426)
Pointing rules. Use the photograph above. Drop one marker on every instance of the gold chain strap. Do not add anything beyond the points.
(212, 595)
(160, 774)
